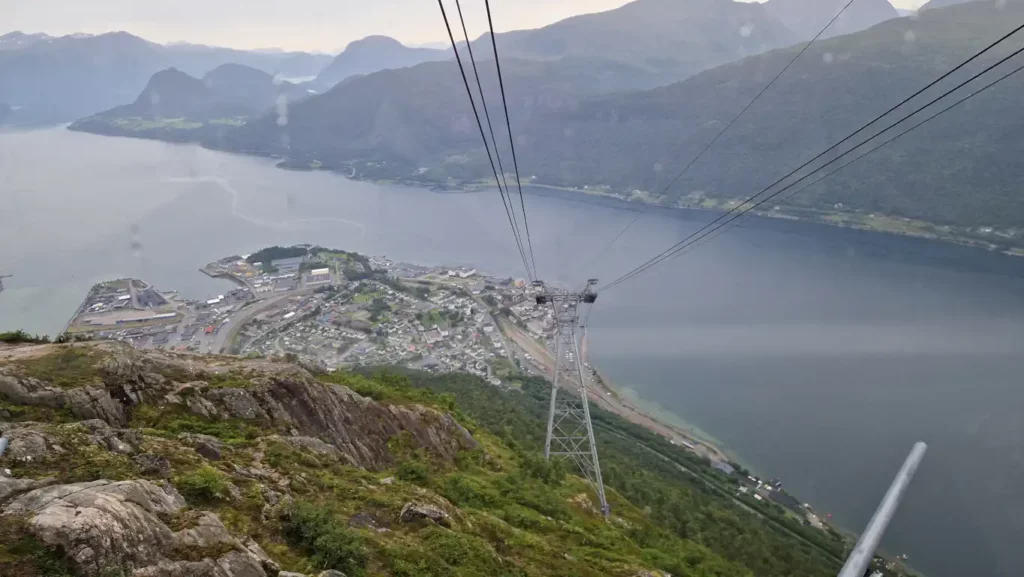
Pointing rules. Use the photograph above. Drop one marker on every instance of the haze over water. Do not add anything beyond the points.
(817, 355)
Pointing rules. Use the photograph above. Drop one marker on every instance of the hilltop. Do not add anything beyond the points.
(576, 130)
(178, 464)
(51, 80)
(375, 53)
(177, 107)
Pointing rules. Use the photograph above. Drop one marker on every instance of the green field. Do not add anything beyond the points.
(363, 298)
(155, 123)
(226, 121)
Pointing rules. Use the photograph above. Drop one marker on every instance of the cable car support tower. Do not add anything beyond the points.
(570, 430)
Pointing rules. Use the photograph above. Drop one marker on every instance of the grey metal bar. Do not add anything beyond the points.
(862, 554)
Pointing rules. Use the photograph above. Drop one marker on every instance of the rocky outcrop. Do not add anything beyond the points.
(96, 403)
(32, 392)
(31, 441)
(10, 487)
(279, 397)
(104, 524)
(26, 444)
(413, 512)
(207, 446)
(358, 427)
(101, 524)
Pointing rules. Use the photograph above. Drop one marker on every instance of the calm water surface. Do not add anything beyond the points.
(817, 355)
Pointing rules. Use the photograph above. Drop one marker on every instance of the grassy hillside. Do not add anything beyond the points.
(958, 170)
(310, 505)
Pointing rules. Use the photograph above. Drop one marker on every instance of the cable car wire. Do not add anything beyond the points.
(700, 234)
(747, 215)
(830, 149)
(727, 127)
(483, 102)
(511, 140)
(476, 114)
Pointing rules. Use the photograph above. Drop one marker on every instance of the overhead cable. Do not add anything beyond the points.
(511, 140)
(487, 113)
(476, 114)
(727, 127)
(740, 210)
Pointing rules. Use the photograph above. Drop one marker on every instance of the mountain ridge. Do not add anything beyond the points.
(181, 108)
(64, 79)
(610, 141)
(672, 38)
(809, 17)
(229, 467)
(373, 54)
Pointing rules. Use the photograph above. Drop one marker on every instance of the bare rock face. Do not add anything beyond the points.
(357, 426)
(28, 391)
(278, 397)
(207, 446)
(96, 403)
(154, 465)
(100, 523)
(10, 487)
(413, 512)
(104, 524)
(27, 445)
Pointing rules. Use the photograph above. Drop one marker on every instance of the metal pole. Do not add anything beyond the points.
(554, 392)
(599, 482)
(862, 554)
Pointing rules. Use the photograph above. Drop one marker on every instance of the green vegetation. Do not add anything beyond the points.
(203, 485)
(329, 545)
(366, 297)
(171, 422)
(21, 337)
(68, 367)
(226, 121)
(82, 459)
(140, 124)
(633, 465)
(439, 317)
(507, 512)
(267, 255)
(228, 380)
(22, 555)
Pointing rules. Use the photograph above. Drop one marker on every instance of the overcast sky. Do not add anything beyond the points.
(325, 25)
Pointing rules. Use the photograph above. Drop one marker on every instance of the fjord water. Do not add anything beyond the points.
(817, 355)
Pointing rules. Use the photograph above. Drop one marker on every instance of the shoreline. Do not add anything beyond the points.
(839, 218)
(679, 432)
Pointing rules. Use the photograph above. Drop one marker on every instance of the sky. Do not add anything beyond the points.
(319, 25)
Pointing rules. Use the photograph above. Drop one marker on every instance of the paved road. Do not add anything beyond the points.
(238, 320)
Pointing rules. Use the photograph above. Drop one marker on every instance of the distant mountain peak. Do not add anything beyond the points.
(17, 39)
(373, 54)
(376, 40)
(808, 17)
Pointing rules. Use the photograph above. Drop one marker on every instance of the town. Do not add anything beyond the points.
(332, 309)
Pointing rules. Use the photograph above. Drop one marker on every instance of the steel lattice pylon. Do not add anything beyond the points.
(570, 431)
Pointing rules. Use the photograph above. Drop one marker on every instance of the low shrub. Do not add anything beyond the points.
(203, 485)
(328, 540)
